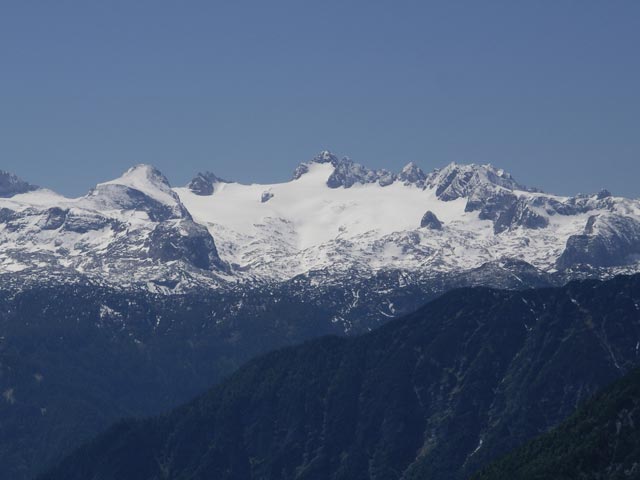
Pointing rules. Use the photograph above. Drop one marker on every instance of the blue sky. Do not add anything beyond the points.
(549, 90)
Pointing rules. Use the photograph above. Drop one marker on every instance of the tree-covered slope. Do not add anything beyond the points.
(435, 395)
(600, 441)
(74, 359)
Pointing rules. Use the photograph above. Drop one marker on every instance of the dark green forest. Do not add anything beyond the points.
(600, 441)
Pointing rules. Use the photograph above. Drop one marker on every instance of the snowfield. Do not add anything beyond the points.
(334, 216)
(308, 226)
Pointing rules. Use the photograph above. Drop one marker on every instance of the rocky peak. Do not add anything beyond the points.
(347, 173)
(325, 157)
(204, 183)
(11, 185)
(300, 171)
(430, 221)
(456, 181)
(143, 188)
(145, 178)
(412, 174)
(608, 239)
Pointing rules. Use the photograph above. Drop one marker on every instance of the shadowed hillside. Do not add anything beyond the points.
(437, 394)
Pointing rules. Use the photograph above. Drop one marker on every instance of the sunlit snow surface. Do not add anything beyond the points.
(306, 225)
(278, 231)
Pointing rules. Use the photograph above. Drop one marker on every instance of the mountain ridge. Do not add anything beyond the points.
(335, 215)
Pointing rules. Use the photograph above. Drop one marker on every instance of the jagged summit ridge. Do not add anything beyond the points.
(456, 180)
(347, 173)
(11, 185)
(338, 213)
(451, 182)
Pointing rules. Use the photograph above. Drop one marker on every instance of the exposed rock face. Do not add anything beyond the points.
(203, 183)
(457, 181)
(326, 157)
(346, 172)
(429, 220)
(323, 157)
(11, 185)
(56, 217)
(452, 182)
(122, 197)
(185, 241)
(507, 211)
(525, 216)
(385, 177)
(141, 188)
(300, 171)
(265, 197)
(411, 174)
(82, 222)
(608, 240)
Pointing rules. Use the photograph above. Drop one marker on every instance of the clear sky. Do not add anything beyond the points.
(549, 90)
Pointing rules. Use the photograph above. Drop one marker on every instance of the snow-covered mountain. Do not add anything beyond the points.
(133, 229)
(334, 220)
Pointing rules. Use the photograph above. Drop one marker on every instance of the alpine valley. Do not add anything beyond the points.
(138, 296)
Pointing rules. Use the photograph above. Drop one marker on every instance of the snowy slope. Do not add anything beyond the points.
(131, 230)
(307, 225)
(335, 216)
(308, 220)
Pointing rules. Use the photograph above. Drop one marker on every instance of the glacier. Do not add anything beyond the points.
(334, 220)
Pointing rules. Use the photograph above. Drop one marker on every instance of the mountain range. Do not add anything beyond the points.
(138, 296)
(334, 221)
